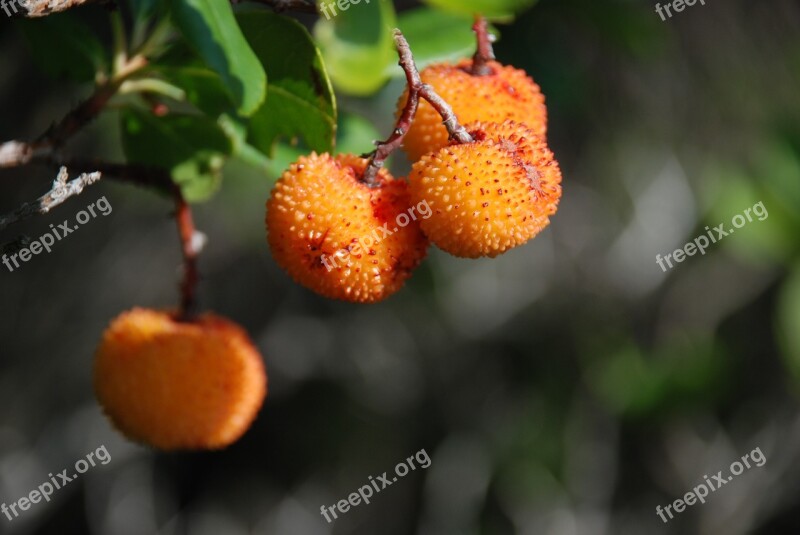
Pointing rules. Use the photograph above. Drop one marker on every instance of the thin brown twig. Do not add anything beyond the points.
(155, 178)
(75, 120)
(17, 153)
(416, 90)
(87, 111)
(385, 149)
(457, 132)
(192, 243)
(484, 52)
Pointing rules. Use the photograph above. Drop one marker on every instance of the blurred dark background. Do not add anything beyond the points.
(566, 388)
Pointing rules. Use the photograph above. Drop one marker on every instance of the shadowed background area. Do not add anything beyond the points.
(566, 388)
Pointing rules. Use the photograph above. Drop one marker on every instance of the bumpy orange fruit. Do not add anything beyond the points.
(506, 93)
(490, 195)
(176, 385)
(337, 236)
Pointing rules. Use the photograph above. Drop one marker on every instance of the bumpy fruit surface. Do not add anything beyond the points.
(337, 236)
(490, 195)
(505, 94)
(176, 385)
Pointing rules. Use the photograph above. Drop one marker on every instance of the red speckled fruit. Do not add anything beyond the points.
(506, 94)
(490, 195)
(337, 236)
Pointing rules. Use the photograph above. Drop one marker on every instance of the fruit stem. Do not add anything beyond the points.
(416, 90)
(385, 148)
(191, 243)
(457, 132)
(484, 53)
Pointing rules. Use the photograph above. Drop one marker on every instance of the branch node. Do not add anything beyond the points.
(416, 90)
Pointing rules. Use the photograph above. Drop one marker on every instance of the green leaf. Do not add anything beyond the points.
(301, 100)
(436, 36)
(204, 88)
(144, 9)
(192, 147)
(211, 29)
(62, 45)
(492, 9)
(357, 44)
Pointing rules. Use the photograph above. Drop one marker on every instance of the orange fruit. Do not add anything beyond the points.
(505, 94)
(488, 196)
(339, 237)
(179, 385)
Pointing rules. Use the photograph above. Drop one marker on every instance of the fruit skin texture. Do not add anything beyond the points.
(490, 195)
(320, 207)
(178, 386)
(507, 94)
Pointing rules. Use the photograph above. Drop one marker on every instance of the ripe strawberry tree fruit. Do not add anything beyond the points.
(173, 384)
(339, 236)
(489, 195)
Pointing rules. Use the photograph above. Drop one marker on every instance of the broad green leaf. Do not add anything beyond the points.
(204, 88)
(211, 29)
(236, 130)
(357, 44)
(192, 147)
(300, 99)
(491, 9)
(436, 36)
(62, 45)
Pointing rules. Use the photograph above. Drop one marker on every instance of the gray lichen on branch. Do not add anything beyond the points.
(42, 8)
(61, 191)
